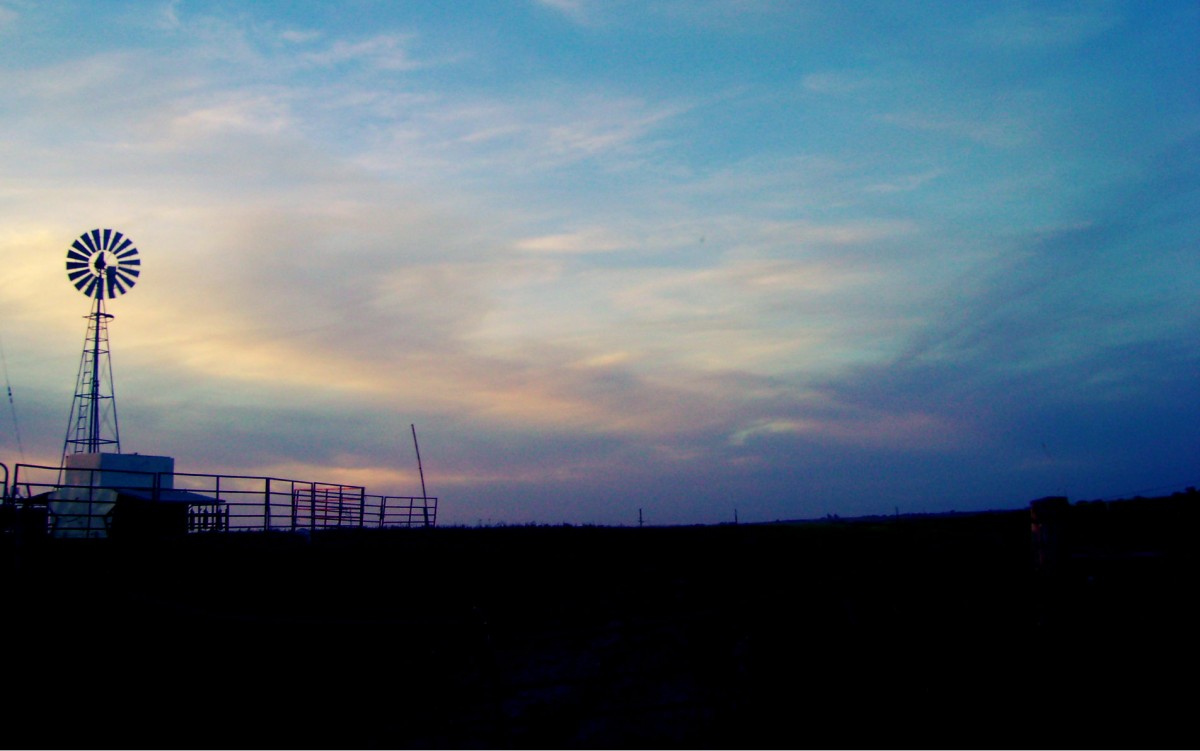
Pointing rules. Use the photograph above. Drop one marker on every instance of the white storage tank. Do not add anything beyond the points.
(83, 505)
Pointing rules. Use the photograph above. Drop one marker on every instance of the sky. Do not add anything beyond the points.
(689, 259)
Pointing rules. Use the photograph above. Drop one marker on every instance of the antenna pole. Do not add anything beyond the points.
(421, 471)
(12, 406)
(419, 468)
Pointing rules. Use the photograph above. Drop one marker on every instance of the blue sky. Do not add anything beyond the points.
(789, 258)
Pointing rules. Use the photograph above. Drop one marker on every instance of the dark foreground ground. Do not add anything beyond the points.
(879, 633)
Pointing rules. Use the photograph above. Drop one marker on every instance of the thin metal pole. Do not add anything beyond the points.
(421, 470)
(112, 393)
(94, 432)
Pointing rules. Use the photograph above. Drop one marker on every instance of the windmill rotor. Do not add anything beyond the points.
(103, 264)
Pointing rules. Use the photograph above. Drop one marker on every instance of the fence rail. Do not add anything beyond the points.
(95, 502)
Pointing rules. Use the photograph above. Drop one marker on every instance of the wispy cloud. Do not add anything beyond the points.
(1045, 27)
(915, 432)
(596, 240)
(168, 15)
(904, 183)
(578, 11)
(838, 82)
(385, 52)
(8, 17)
(300, 36)
(1006, 129)
(243, 112)
(520, 137)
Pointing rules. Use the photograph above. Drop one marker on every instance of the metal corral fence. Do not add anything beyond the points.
(87, 503)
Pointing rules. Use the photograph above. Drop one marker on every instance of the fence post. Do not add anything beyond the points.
(266, 504)
(295, 506)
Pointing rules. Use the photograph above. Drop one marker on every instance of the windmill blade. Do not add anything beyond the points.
(80, 250)
(114, 284)
(96, 240)
(121, 244)
(122, 282)
(125, 278)
(107, 239)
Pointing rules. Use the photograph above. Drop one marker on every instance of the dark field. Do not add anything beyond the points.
(906, 632)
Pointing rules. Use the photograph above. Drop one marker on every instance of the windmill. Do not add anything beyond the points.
(102, 264)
